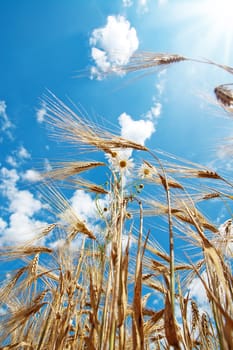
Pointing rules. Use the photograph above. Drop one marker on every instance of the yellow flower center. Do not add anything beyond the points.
(146, 171)
(114, 154)
(123, 164)
(128, 215)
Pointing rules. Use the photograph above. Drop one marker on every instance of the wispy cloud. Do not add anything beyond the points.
(41, 113)
(23, 153)
(11, 161)
(143, 5)
(112, 45)
(127, 3)
(18, 156)
(223, 156)
(155, 111)
(5, 124)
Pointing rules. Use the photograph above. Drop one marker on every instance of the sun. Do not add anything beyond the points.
(210, 25)
(220, 13)
(218, 16)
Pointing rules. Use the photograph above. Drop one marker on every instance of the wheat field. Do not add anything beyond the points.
(111, 284)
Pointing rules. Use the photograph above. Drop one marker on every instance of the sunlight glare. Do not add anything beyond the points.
(220, 12)
(211, 23)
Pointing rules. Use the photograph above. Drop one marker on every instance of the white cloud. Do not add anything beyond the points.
(22, 206)
(59, 243)
(101, 60)
(84, 205)
(197, 292)
(143, 5)
(18, 156)
(155, 111)
(31, 175)
(86, 208)
(112, 45)
(5, 123)
(8, 181)
(12, 161)
(127, 3)
(136, 130)
(3, 225)
(41, 113)
(74, 246)
(23, 202)
(140, 130)
(23, 153)
(223, 156)
(20, 229)
(47, 165)
(125, 240)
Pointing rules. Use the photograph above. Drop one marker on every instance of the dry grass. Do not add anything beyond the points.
(94, 289)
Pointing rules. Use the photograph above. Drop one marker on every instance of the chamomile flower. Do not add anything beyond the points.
(145, 171)
(121, 163)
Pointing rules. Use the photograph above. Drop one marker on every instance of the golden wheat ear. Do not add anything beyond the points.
(87, 186)
(146, 60)
(224, 95)
(68, 219)
(62, 170)
(228, 69)
(67, 126)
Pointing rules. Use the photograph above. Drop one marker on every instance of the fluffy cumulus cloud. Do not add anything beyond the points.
(23, 202)
(87, 207)
(31, 175)
(21, 228)
(140, 130)
(112, 45)
(5, 123)
(136, 130)
(84, 205)
(22, 207)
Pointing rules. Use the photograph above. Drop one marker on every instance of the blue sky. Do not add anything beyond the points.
(66, 47)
